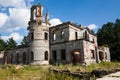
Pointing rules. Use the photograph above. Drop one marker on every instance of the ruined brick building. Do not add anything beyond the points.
(63, 43)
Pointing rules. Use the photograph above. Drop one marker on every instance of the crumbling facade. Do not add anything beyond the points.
(64, 43)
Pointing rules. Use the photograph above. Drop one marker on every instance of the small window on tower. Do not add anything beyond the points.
(32, 36)
(46, 55)
(46, 36)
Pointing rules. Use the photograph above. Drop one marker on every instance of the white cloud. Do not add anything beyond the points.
(55, 21)
(17, 19)
(13, 3)
(15, 36)
(3, 19)
(92, 26)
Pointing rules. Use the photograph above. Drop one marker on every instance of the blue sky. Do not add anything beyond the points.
(14, 14)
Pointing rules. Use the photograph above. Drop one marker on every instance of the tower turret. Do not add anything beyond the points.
(38, 37)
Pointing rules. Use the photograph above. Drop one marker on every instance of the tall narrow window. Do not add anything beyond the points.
(92, 54)
(46, 55)
(54, 55)
(105, 55)
(24, 57)
(17, 58)
(62, 34)
(32, 36)
(54, 36)
(76, 35)
(93, 40)
(85, 34)
(46, 36)
(5, 59)
(11, 58)
(63, 54)
(32, 56)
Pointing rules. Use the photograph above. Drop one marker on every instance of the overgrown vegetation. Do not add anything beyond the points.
(89, 68)
(27, 72)
(110, 34)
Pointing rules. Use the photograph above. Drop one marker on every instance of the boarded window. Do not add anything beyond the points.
(32, 56)
(76, 35)
(92, 54)
(63, 54)
(54, 55)
(46, 36)
(46, 55)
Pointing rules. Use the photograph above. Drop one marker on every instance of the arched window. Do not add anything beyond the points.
(24, 57)
(62, 34)
(32, 36)
(54, 36)
(5, 58)
(46, 55)
(11, 58)
(85, 34)
(32, 56)
(46, 36)
(17, 58)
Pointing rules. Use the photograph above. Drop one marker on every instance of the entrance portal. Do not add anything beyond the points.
(75, 57)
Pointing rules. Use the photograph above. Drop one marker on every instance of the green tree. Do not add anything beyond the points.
(110, 34)
(2, 45)
(11, 44)
(24, 42)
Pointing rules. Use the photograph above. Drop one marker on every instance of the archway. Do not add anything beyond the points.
(32, 56)
(24, 58)
(46, 55)
(76, 57)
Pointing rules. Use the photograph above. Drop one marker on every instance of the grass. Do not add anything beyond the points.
(89, 68)
(27, 72)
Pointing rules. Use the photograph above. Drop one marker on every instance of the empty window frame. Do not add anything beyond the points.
(46, 55)
(92, 54)
(63, 54)
(32, 36)
(32, 56)
(17, 58)
(54, 36)
(54, 55)
(62, 33)
(46, 36)
(24, 57)
(76, 35)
